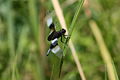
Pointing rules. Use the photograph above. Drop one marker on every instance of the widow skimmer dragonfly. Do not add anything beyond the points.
(54, 36)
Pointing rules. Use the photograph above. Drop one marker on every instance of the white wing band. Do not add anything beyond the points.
(49, 21)
(54, 40)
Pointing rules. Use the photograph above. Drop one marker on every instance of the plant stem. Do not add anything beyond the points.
(60, 16)
(104, 51)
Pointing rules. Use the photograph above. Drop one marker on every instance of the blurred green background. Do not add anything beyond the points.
(23, 39)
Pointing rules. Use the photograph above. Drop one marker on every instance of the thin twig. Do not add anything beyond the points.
(60, 16)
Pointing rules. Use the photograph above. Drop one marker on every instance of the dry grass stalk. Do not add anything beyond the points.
(104, 51)
(60, 16)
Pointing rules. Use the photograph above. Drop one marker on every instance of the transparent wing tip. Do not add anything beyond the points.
(57, 50)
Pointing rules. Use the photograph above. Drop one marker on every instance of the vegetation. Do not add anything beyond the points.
(90, 53)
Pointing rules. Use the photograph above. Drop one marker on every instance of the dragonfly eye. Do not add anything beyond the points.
(63, 31)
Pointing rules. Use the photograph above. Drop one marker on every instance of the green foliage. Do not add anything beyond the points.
(20, 57)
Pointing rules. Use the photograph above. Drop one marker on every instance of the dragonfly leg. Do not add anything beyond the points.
(61, 40)
(66, 36)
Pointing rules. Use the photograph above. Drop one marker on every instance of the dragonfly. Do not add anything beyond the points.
(53, 37)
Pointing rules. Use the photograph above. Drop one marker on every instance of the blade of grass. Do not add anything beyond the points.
(52, 72)
(55, 68)
(19, 52)
(10, 29)
(11, 40)
(105, 73)
(60, 16)
(33, 17)
(117, 78)
(37, 68)
(71, 28)
(111, 70)
(104, 51)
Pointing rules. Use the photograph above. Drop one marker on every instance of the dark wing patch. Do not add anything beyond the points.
(52, 26)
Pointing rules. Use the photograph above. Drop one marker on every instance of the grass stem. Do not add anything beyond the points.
(104, 51)
(61, 19)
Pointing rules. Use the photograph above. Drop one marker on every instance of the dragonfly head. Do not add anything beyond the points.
(63, 31)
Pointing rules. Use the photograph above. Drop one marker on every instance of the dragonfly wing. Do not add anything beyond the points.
(49, 21)
(57, 51)
(50, 24)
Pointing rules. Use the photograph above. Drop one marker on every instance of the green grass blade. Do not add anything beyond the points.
(117, 78)
(19, 52)
(33, 17)
(37, 68)
(105, 72)
(11, 38)
(71, 28)
(56, 68)
(10, 29)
